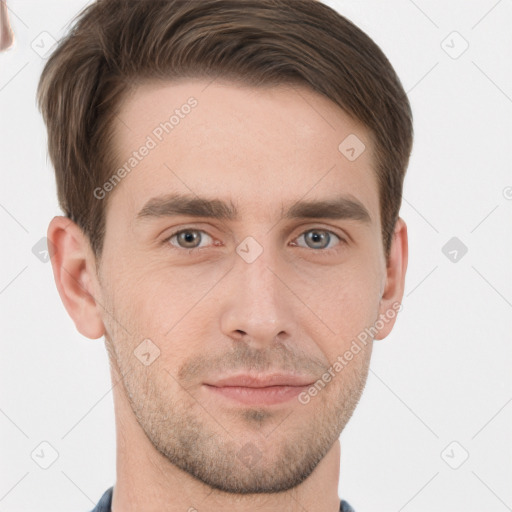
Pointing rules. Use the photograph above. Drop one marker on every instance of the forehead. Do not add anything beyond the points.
(256, 147)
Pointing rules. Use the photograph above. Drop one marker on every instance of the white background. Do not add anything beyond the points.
(444, 373)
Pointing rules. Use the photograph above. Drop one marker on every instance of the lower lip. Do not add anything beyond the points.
(258, 396)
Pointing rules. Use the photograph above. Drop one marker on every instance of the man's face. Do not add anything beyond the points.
(262, 293)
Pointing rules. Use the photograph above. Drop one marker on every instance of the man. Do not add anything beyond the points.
(231, 175)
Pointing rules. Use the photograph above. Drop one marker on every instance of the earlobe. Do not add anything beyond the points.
(396, 268)
(74, 272)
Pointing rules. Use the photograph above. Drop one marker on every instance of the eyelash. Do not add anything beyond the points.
(342, 242)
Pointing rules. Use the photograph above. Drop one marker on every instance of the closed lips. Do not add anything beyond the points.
(259, 381)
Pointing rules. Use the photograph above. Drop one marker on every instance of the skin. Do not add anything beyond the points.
(212, 314)
(6, 34)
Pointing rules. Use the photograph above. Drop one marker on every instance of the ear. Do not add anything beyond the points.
(393, 291)
(74, 271)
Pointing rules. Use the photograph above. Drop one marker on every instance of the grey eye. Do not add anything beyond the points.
(318, 238)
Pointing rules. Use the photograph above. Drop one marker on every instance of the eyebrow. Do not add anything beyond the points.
(342, 207)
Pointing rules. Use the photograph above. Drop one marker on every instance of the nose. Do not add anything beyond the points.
(258, 307)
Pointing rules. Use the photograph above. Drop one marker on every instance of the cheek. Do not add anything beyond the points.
(349, 291)
(344, 304)
(157, 300)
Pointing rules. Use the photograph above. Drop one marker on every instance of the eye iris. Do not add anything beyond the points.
(317, 236)
(188, 237)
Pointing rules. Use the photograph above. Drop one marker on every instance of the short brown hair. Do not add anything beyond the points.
(116, 44)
